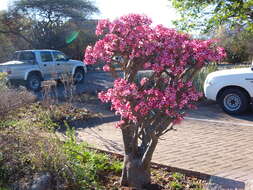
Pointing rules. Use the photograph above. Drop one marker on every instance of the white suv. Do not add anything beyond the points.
(35, 66)
(232, 89)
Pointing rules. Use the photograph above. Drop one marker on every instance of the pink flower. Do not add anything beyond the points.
(106, 68)
(147, 65)
(102, 24)
(144, 81)
(120, 123)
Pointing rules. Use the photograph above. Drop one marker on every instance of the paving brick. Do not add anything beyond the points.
(216, 149)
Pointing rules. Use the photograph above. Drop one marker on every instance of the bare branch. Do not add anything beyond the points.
(18, 34)
(150, 150)
(185, 72)
(169, 128)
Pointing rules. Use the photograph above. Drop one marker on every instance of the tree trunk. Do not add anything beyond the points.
(134, 174)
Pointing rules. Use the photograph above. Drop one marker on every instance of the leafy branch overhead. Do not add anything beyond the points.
(208, 14)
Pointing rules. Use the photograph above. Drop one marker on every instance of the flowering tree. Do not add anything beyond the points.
(151, 106)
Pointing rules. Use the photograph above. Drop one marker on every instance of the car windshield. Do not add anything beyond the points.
(59, 56)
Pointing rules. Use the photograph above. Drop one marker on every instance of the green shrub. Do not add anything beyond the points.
(175, 185)
(3, 81)
(200, 77)
(4, 188)
(178, 176)
(30, 150)
(88, 166)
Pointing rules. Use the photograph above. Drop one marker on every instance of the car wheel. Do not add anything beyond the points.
(33, 82)
(79, 76)
(234, 101)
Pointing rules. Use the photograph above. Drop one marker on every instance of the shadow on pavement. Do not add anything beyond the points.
(219, 182)
(246, 116)
(212, 111)
(93, 122)
(108, 144)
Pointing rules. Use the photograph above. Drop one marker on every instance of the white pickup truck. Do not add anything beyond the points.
(35, 66)
(232, 89)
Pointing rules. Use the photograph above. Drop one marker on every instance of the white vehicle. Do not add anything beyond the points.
(232, 89)
(35, 66)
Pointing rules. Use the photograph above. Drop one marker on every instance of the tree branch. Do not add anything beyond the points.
(18, 34)
(149, 151)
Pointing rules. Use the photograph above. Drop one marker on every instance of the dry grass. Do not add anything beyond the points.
(50, 94)
(27, 152)
(30, 148)
(11, 99)
(69, 87)
(49, 88)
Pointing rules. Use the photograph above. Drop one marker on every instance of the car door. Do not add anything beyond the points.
(47, 65)
(27, 57)
(60, 63)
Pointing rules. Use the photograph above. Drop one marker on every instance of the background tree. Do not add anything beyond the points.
(47, 24)
(78, 39)
(9, 40)
(208, 14)
(237, 42)
(150, 107)
(229, 20)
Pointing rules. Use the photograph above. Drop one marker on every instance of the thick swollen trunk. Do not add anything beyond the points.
(134, 173)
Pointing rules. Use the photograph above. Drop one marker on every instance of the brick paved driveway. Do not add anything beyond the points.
(223, 149)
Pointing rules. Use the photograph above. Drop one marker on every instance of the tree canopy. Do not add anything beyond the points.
(55, 10)
(208, 14)
(237, 42)
(49, 24)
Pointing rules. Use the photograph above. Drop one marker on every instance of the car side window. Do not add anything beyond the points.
(59, 56)
(46, 56)
(27, 56)
(15, 56)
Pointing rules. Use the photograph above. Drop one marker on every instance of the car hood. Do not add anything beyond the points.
(231, 72)
(76, 62)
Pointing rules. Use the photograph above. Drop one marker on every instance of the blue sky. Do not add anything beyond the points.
(160, 11)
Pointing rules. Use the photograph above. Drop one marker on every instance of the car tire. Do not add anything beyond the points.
(33, 82)
(79, 76)
(234, 101)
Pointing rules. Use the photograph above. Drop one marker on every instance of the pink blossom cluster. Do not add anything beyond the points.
(156, 48)
(120, 96)
(132, 36)
(131, 103)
